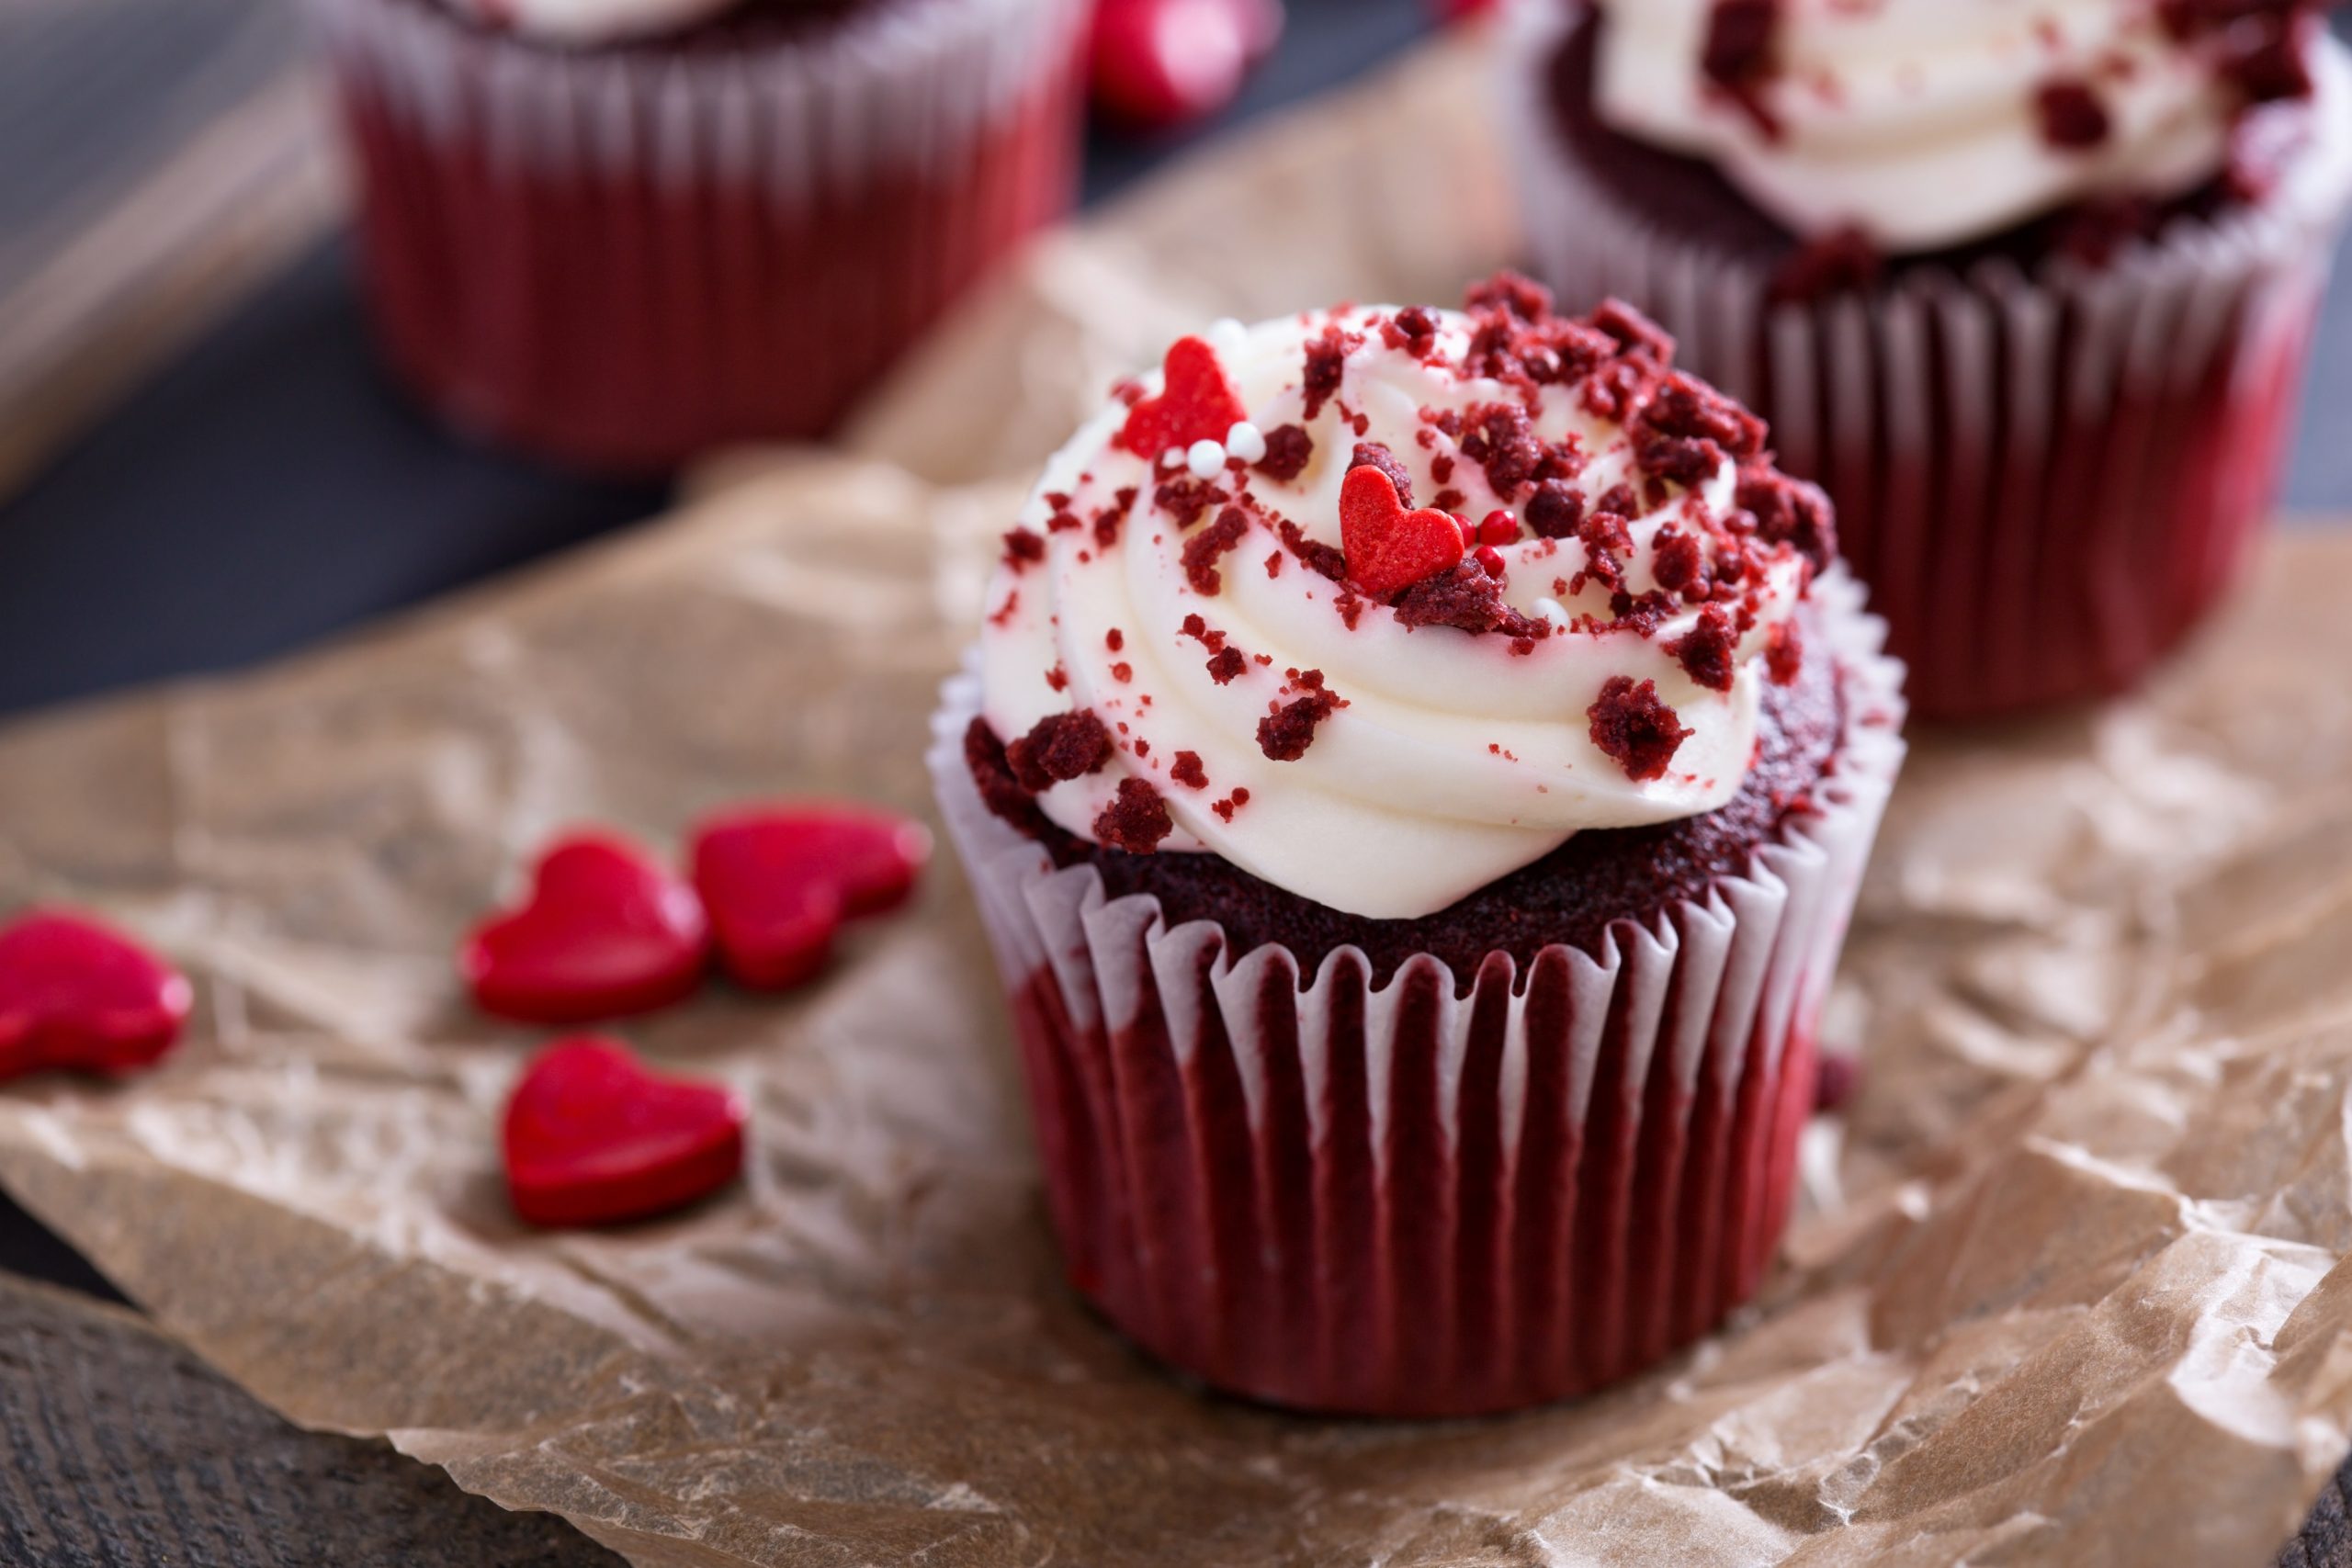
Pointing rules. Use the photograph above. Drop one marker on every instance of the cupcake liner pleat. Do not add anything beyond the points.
(624, 256)
(1427, 1197)
(2047, 481)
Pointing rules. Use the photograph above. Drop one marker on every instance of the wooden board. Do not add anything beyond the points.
(124, 1449)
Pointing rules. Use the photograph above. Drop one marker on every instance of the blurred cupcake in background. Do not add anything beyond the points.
(2025, 283)
(622, 232)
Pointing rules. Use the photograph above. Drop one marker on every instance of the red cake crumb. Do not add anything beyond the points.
(1226, 665)
(1500, 439)
(1376, 454)
(1634, 730)
(1204, 549)
(1329, 561)
(1555, 511)
(1464, 597)
(1739, 41)
(1706, 653)
(1288, 450)
(1022, 547)
(1784, 654)
(1200, 631)
(1286, 733)
(1232, 803)
(1136, 821)
(1275, 564)
(1514, 292)
(2071, 115)
(1412, 329)
(1326, 365)
(1003, 614)
(1689, 428)
(1789, 511)
(1109, 519)
(1114, 640)
(1059, 747)
(1186, 499)
(1057, 678)
(1001, 792)
(1187, 771)
(1635, 333)
(1677, 558)
(1123, 672)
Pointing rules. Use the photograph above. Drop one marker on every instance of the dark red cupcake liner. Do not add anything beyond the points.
(1422, 1198)
(2047, 477)
(624, 256)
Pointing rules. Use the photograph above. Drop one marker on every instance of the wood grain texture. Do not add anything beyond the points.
(124, 1449)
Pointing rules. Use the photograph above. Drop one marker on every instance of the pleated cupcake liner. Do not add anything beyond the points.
(2048, 478)
(1429, 1197)
(622, 256)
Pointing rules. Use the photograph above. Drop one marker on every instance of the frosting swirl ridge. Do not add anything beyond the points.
(1925, 124)
(1381, 605)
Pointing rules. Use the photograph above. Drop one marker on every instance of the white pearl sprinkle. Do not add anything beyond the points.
(1227, 335)
(1551, 611)
(1172, 458)
(1206, 459)
(1246, 441)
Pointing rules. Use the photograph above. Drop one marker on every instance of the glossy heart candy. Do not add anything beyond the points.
(74, 995)
(592, 1137)
(1196, 402)
(1157, 64)
(779, 880)
(607, 932)
(1389, 549)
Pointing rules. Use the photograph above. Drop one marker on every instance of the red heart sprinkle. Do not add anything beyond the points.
(1388, 547)
(1198, 403)
(607, 932)
(592, 1137)
(1156, 64)
(779, 880)
(75, 995)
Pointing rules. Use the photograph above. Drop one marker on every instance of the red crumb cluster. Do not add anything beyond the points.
(1186, 769)
(1061, 747)
(1285, 733)
(1634, 730)
(1136, 820)
(1288, 450)
(1204, 549)
(2261, 47)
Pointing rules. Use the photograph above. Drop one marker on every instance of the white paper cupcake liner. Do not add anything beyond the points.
(1425, 1198)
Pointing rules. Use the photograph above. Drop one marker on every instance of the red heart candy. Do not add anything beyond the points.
(1196, 403)
(779, 880)
(606, 932)
(1387, 547)
(75, 995)
(1156, 64)
(591, 1137)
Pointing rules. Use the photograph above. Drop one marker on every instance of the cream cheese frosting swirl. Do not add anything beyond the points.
(1925, 124)
(582, 23)
(1250, 571)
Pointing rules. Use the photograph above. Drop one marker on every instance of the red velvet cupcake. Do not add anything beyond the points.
(2027, 288)
(1416, 926)
(622, 232)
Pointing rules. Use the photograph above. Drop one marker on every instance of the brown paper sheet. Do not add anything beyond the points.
(2068, 1293)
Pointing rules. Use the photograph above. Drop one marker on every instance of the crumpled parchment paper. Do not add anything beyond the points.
(2067, 1290)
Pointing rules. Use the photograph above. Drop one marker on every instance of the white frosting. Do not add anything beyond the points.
(1916, 121)
(585, 22)
(1457, 760)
